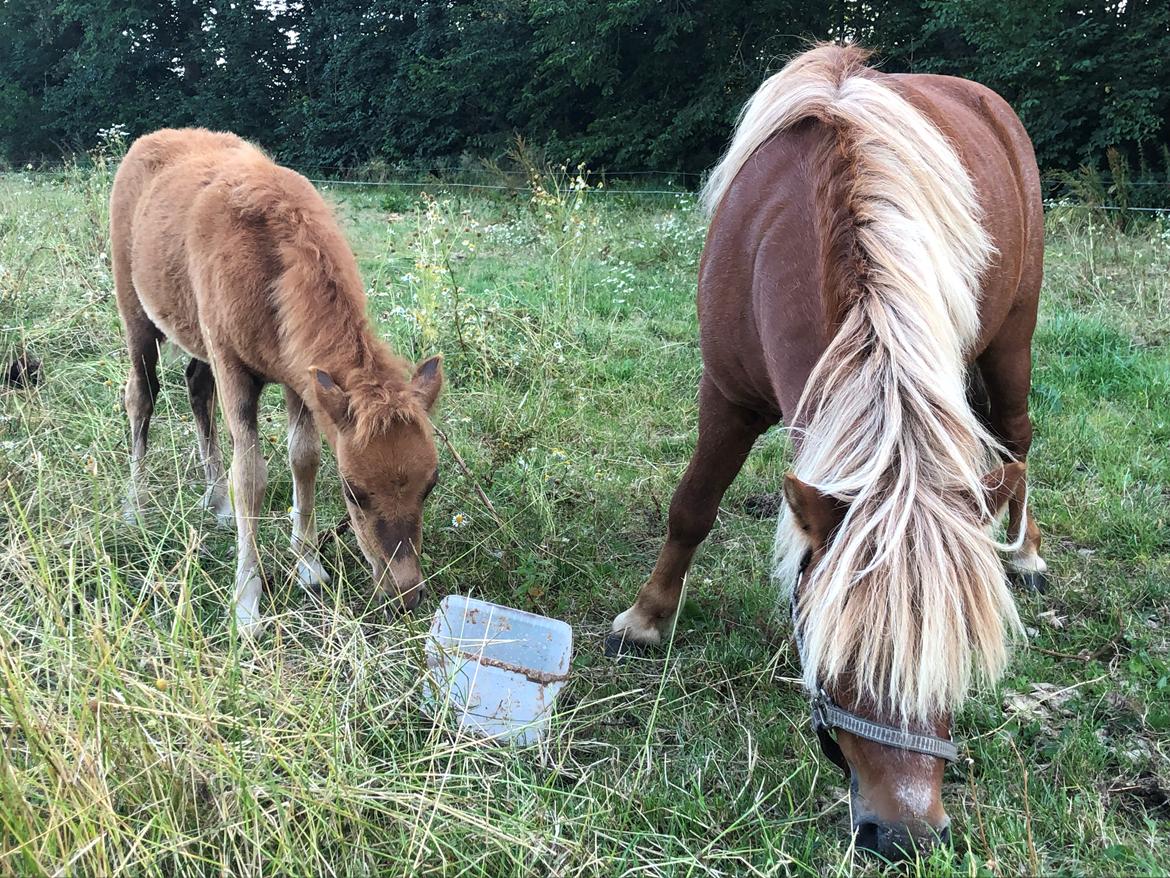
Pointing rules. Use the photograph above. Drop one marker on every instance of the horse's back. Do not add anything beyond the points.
(766, 284)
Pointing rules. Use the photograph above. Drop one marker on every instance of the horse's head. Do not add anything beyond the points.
(388, 463)
(895, 764)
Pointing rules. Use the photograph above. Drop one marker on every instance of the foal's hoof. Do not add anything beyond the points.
(311, 575)
(221, 507)
(618, 645)
(1030, 580)
(249, 623)
(133, 514)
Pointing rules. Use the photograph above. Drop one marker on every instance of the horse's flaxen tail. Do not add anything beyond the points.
(910, 597)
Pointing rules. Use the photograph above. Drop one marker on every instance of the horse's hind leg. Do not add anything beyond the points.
(726, 435)
(201, 391)
(304, 458)
(142, 341)
(1006, 368)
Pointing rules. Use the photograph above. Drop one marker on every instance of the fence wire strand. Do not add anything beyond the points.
(438, 183)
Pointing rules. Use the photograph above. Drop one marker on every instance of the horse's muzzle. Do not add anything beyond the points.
(895, 841)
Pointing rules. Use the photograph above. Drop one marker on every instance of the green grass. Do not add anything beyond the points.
(138, 736)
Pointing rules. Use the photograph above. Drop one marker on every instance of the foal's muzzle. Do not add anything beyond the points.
(401, 586)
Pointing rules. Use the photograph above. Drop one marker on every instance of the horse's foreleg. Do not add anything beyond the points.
(1006, 368)
(726, 434)
(240, 398)
(142, 341)
(304, 458)
(201, 391)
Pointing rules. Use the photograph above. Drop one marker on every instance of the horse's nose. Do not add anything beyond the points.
(895, 842)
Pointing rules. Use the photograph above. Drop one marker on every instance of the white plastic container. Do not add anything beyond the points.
(493, 670)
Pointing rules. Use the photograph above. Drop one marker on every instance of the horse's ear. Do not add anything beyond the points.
(1000, 485)
(330, 397)
(428, 381)
(817, 514)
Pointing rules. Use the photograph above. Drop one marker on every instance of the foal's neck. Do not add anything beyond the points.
(321, 302)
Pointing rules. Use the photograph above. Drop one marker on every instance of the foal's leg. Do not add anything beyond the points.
(240, 399)
(304, 457)
(1006, 368)
(726, 434)
(201, 390)
(142, 341)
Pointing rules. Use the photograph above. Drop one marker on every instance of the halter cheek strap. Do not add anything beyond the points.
(827, 716)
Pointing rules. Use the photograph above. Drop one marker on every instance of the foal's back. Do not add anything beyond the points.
(203, 225)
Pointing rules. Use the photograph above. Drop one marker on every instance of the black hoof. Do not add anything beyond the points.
(1031, 580)
(314, 590)
(618, 646)
(25, 371)
(763, 506)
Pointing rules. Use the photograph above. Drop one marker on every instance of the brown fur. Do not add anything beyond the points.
(240, 262)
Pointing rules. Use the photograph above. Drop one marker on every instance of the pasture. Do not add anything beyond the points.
(140, 736)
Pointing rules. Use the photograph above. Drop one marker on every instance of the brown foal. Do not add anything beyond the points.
(871, 276)
(239, 262)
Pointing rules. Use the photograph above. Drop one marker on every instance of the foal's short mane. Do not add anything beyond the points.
(909, 597)
(321, 300)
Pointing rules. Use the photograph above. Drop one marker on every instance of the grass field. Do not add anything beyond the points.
(140, 737)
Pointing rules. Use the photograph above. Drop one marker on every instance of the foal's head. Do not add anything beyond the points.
(388, 463)
(896, 802)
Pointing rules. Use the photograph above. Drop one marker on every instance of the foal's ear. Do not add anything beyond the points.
(330, 397)
(1000, 485)
(428, 381)
(817, 514)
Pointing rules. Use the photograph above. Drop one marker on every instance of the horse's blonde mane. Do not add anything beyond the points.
(909, 597)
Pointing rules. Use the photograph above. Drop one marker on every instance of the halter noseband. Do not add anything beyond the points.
(828, 715)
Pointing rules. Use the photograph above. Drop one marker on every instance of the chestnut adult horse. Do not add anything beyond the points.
(239, 262)
(871, 276)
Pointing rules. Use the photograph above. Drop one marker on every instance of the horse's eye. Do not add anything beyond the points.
(355, 495)
(804, 562)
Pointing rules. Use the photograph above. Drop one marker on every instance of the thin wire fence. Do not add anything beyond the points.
(441, 178)
(491, 187)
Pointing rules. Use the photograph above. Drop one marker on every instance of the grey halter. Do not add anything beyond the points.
(827, 715)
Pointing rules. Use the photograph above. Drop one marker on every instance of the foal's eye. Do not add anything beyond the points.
(355, 495)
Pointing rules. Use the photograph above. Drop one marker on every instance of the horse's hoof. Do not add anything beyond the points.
(1031, 580)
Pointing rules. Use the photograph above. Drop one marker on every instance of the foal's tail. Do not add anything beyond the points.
(909, 597)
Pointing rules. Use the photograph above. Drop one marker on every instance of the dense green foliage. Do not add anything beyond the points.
(623, 83)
